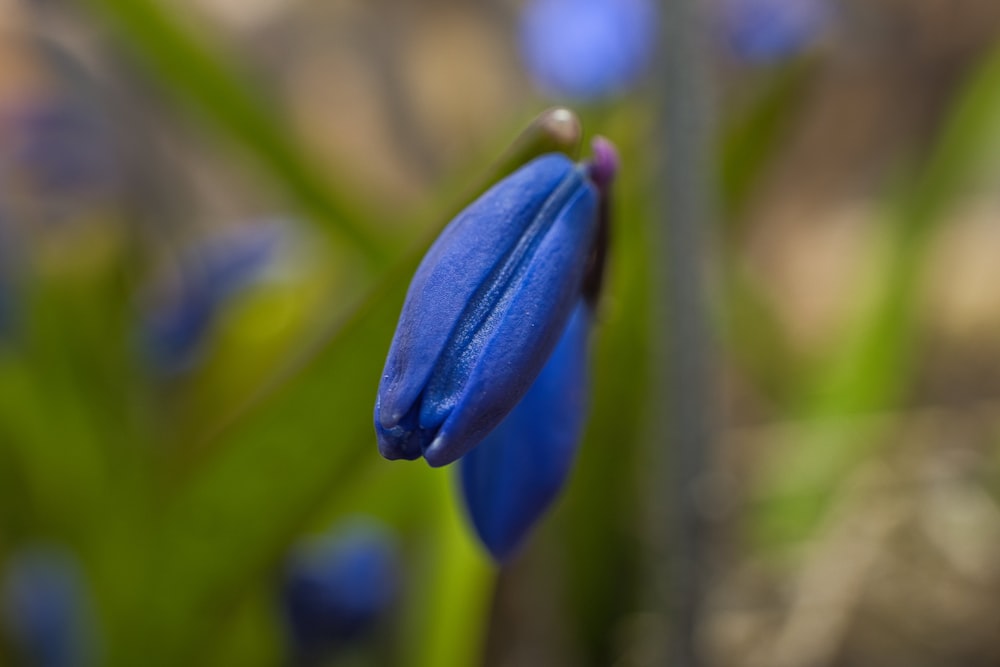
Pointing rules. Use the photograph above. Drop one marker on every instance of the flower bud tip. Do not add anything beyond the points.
(562, 125)
(604, 164)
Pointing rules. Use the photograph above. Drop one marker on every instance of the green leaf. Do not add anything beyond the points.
(273, 469)
(449, 606)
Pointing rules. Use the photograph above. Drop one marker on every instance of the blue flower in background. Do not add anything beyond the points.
(767, 31)
(173, 332)
(587, 49)
(515, 474)
(339, 586)
(62, 146)
(210, 274)
(484, 311)
(46, 615)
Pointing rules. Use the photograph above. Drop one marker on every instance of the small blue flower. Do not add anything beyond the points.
(176, 327)
(61, 146)
(339, 586)
(173, 332)
(515, 474)
(484, 311)
(767, 31)
(587, 49)
(45, 611)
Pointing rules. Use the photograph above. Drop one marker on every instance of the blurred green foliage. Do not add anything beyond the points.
(182, 500)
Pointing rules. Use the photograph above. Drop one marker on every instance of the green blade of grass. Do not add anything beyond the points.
(749, 140)
(750, 328)
(873, 370)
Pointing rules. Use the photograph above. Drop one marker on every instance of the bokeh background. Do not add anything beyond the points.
(210, 209)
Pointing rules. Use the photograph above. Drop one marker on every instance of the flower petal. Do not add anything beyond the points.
(516, 472)
(484, 310)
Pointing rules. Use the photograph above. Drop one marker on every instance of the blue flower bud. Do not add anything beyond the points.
(767, 31)
(339, 586)
(45, 611)
(484, 311)
(587, 49)
(516, 472)
(61, 147)
(173, 332)
(175, 328)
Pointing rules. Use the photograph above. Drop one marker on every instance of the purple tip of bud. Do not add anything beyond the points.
(604, 165)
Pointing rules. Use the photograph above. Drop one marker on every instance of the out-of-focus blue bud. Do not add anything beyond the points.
(173, 331)
(338, 587)
(767, 31)
(230, 262)
(587, 49)
(515, 474)
(484, 311)
(46, 615)
(60, 147)
(175, 328)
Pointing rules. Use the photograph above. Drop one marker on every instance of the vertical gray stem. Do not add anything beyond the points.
(685, 187)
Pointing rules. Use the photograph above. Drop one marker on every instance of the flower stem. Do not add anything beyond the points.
(685, 210)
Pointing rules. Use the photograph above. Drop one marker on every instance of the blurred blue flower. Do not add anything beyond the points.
(484, 311)
(46, 614)
(587, 49)
(767, 31)
(174, 329)
(338, 587)
(517, 471)
(61, 146)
